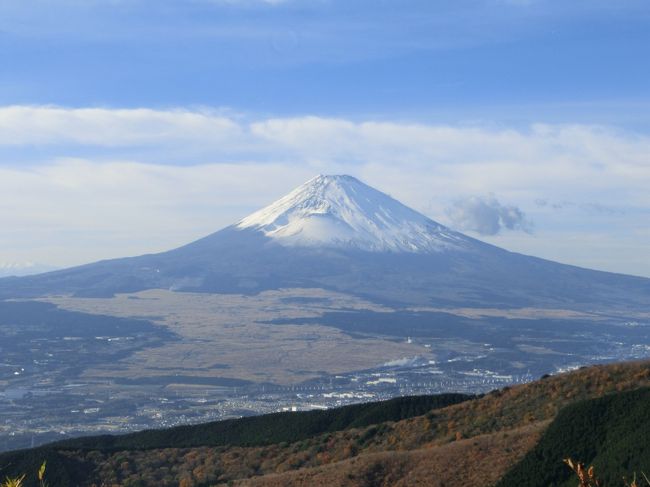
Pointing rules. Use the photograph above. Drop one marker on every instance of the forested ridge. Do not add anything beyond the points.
(612, 433)
(595, 415)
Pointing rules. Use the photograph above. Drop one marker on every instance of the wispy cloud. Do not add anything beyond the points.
(598, 208)
(46, 125)
(552, 162)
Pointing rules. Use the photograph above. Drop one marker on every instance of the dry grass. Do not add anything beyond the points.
(478, 461)
(19, 481)
(587, 476)
(229, 329)
(14, 482)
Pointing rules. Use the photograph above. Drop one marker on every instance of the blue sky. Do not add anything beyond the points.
(456, 107)
(430, 60)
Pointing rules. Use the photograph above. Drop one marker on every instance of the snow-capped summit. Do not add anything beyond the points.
(341, 211)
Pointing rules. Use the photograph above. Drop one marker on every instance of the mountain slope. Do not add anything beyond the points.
(478, 461)
(337, 233)
(270, 428)
(66, 470)
(483, 436)
(610, 433)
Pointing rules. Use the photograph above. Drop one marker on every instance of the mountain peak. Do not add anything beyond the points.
(341, 211)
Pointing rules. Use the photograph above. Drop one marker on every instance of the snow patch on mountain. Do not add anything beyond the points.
(341, 211)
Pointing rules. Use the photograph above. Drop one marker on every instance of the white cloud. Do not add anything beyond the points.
(455, 161)
(486, 215)
(78, 201)
(38, 125)
(73, 211)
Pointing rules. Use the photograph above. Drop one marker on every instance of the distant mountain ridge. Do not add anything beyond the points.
(337, 233)
(8, 269)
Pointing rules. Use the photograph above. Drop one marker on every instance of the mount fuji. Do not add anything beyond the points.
(342, 212)
(337, 233)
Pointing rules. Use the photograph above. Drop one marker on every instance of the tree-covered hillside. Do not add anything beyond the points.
(252, 431)
(269, 428)
(612, 433)
(598, 415)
